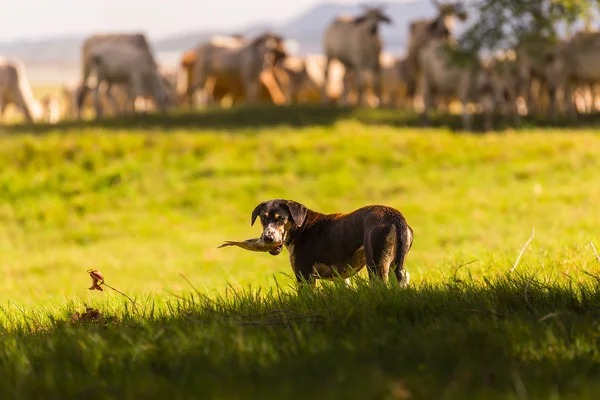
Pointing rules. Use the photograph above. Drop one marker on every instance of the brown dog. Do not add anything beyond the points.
(337, 245)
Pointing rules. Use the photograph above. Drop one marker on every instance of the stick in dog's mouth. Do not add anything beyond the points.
(256, 245)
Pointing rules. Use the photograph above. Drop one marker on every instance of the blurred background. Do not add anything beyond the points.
(51, 47)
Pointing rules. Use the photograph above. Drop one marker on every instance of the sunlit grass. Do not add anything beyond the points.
(148, 200)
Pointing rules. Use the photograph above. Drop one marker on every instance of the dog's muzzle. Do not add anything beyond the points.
(271, 235)
(276, 250)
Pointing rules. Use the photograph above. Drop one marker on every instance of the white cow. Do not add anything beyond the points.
(124, 63)
(574, 62)
(137, 40)
(234, 62)
(471, 83)
(355, 42)
(15, 88)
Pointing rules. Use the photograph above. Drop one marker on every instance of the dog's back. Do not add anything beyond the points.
(341, 244)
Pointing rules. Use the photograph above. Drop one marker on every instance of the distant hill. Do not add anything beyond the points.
(306, 29)
(63, 49)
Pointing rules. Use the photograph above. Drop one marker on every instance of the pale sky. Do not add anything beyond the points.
(36, 19)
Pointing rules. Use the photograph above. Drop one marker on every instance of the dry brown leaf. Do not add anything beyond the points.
(97, 279)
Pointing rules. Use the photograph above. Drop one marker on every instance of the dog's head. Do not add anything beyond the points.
(278, 218)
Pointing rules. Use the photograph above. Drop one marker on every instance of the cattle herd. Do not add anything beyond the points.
(120, 71)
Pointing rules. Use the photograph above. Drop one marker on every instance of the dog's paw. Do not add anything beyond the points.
(403, 279)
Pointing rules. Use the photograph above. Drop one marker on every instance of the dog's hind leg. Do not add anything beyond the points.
(403, 245)
(380, 243)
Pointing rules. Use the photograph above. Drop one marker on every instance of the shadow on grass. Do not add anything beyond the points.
(453, 122)
(511, 336)
(257, 117)
(237, 118)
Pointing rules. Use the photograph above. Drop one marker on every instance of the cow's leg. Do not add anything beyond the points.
(252, 88)
(465, 95)
(96, 95)
(590, 98)
(23, 106)
(137, 86)
(161, 100)
(427, 103)
(324, 97)
(531, 106)
(487, 103)
(377, 84)
(359, 81)
(158, 92)
(543, 98)
(128, 105)
(393, 98)
(289, 89)
(552, 89)
(114, 104)
(584, 94)
(587, 95)
(513, 109)
(3, 106)
(466, 116)
(208, 89)
(45, 110)
(200, 81)
(594, 97)
(190, 89)
(569, 95)
(575, 97)
(347, 86)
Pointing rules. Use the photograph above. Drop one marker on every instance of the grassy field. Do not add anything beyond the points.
(147, 201)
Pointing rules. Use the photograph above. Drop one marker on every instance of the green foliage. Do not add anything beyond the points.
(503, 24)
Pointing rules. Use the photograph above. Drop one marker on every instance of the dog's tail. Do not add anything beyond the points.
(404, 240)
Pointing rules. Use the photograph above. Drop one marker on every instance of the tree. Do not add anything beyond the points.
(502, 24)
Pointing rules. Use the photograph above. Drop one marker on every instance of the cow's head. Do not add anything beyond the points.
(271, 47)
(373, 15)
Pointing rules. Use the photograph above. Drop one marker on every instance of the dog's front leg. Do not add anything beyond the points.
(305, 281)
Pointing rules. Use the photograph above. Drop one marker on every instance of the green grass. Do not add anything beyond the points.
(149, 198)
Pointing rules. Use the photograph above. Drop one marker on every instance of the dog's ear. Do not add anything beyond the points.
(298, 212)
(256, 211)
